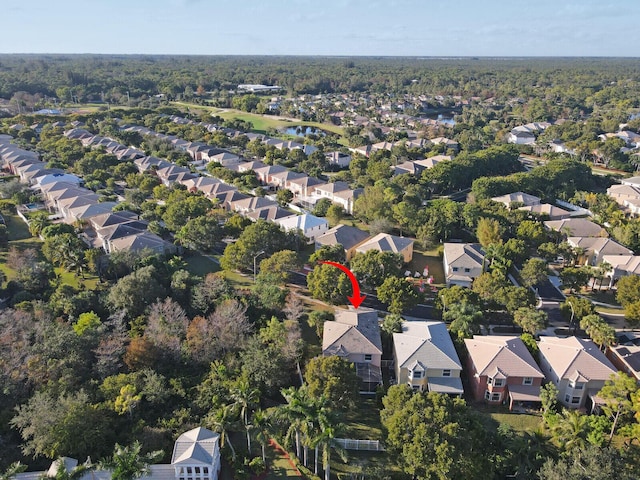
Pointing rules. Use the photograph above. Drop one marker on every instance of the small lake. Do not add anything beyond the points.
(442, 117)
(302, 131)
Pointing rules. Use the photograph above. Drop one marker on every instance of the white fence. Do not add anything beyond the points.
(352, 444)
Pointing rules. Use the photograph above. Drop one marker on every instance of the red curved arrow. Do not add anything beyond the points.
(356, 299)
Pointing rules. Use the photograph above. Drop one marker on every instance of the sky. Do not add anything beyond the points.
(323, 27)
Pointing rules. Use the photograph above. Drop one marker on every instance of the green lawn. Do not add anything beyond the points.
(260, 122)
(363, 422)
(200, 265)
(520, 422)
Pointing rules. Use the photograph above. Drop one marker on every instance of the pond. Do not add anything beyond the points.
(442, 117)
(302, 131)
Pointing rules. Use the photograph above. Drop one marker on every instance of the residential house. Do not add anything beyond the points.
(348, 237)
(521, 137)
(517, 197)
(113, 218)
(576, 367)
(338, 158)
(282, 179)
(576, 227)
(625, 356)
(633, 181)
(74, 213)
(425, 358)
(595, 248)
(621, 266)
(265, 173)
(547, 210)
(196, 455)
(383, 242)
(142, 241)
(501, 369)
(303, 186)
(269, 214)
(623, 193)
(355, 336)
(246, 205)
(463, 263)
(448, 143)
(108, 234)
(310, 225)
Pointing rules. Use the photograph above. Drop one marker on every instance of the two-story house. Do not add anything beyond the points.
(463, 262)
(501, 370)
(425, 358)
(355, 336)
(577, 367)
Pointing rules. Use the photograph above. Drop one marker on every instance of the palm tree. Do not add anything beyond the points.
(245, 398)
(38, 222)
(127, 463)
(571, 430)
(12, 470)
(326, 440)
(262, 426)
(74, 474)
(299, 412)
(223, 421)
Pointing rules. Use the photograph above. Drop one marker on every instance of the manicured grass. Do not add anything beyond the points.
(431, 260)
(519, 422)
(90, 282)
(200, 265)
(17, 229)
(261, 122)
(363, 422)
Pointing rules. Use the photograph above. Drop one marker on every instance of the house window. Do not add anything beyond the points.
(575, 400)
(368, 357)
(205, 470)
(415, 387)
(489, 380)
(495, 397)
(415, 374)
(487, 394)
(567, 398)
(527, 381)
(498, 382)
(578, 386)
(455, 269)
(467, 270)
(446, 373)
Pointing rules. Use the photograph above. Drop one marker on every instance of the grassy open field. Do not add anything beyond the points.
(260, 122)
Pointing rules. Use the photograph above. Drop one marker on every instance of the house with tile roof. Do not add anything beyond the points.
(269, 214)
(348, 237)
(383, 242)
(576, 227)
(355, 336)
(517, 197)
(425, 358)
(548, 210)
(463, 263)
(621, 266)
(310, 225)
(501, 370)
(196, 455)
(595, 248)
(576, 367)
(625, 356)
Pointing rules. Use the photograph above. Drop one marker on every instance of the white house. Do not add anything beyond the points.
(463, 262)
(576, 366)
(310, 225)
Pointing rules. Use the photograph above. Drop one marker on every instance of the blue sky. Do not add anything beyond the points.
(323, 27)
